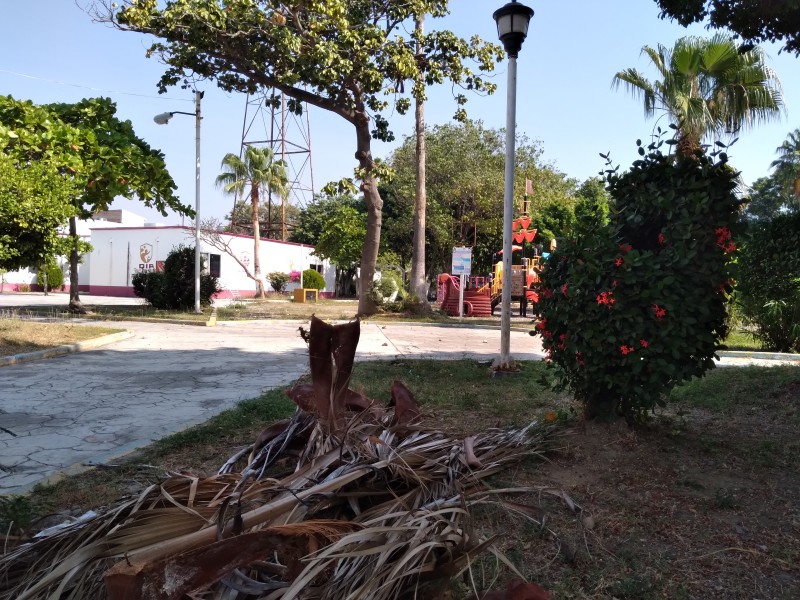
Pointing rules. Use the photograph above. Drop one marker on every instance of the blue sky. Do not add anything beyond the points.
(52, 52)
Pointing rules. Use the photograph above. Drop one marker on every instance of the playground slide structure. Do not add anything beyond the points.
(522, 276)
(477, 301)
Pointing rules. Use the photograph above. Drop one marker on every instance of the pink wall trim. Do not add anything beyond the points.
(120, 291)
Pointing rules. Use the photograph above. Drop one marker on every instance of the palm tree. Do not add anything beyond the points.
(787, 165)
(707, 87)
(260, 172)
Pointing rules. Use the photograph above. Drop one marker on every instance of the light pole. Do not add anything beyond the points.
(512, 29)
(163, 119)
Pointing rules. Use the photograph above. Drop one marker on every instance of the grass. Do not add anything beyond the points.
(672, 516)
(742, 340)
(724, 390)
(18, 336)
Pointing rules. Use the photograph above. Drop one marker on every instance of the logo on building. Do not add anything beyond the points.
(146, 252)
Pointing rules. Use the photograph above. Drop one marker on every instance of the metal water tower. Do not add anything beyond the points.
(270, 124)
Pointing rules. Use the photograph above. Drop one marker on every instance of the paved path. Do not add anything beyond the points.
(80, 409)
(76, 410)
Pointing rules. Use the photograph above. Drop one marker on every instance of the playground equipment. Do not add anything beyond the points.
(477, 300)
(522, 277)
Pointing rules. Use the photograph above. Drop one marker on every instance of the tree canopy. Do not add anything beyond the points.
(707, 86)
(753, 20)
(38, 159)
(351, 58)
(34, 205)
(465, 170)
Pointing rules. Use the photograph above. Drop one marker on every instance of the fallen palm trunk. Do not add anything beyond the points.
(370, 505)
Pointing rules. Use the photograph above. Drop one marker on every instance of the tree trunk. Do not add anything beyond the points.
(75, 305)
(372, 197)
(418, 284)
(260, 293)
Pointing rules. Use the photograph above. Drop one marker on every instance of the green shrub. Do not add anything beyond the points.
(55, 276)
(385, 288)
(150, 286)
(631, 309)
(768, 283)
(174, 288)
(313, 280)
(278, 280)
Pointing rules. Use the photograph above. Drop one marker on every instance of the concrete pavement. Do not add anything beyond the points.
(73, 411)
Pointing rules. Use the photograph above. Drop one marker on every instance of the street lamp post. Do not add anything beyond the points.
(163, 119)
(512, 29)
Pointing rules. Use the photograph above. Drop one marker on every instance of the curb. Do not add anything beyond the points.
(91, 344)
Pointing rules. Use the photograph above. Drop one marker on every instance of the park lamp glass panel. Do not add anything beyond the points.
(163, 118)
(512, 25)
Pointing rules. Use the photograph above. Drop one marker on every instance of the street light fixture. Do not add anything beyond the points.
(512, 29)
(163, 119)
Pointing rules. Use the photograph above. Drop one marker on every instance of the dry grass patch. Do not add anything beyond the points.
(18, 336)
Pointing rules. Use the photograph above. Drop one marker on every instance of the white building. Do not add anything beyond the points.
(124, 244)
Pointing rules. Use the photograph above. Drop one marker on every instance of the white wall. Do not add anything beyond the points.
(120, 252)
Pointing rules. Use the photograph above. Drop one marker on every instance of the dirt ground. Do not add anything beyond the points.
(698, 506)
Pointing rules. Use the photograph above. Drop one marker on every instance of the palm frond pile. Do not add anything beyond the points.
(345, 500)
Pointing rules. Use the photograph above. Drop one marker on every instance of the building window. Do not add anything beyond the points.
(215, 265)
(317, 268)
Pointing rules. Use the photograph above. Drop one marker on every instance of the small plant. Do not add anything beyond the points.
(52, 275)
(24, 287)
(313, 280)
(278, 280)
(16, 514)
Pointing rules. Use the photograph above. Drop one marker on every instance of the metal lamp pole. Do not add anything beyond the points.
(512, 29)
(163, 119)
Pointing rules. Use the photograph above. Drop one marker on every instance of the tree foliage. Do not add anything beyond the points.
(348, 57)
(465, 171)
(257, 172)
(35, 201)
(767, 199)
(787, 165)
(631, 309)
(707, 86)
(754, 20)
(768, 288)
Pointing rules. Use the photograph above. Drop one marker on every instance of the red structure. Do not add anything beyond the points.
(477, 302)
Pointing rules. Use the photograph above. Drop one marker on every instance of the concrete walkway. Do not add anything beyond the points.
(73, 411)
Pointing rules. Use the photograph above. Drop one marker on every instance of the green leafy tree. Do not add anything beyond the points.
(707, 86)
(259, 172)
(39, 157)
(592, 203)
(767, 199)
(787, 165)
(629, 310)
(342, 56)
(464, 189)
(754, 20)
(768, 282)
(314, 218)
(112, 161)
(35, 201)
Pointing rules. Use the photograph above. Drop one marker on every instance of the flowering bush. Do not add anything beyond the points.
(631, 309)
(294, 277)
